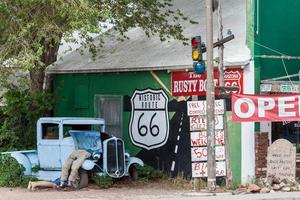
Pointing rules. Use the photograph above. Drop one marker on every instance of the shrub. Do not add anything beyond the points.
(103, 181)
(22, 108)
(11, 172)
(147, 173)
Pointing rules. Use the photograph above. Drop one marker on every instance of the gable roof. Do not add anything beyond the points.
(142, 53)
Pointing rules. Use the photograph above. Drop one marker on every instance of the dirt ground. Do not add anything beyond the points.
(120, 191)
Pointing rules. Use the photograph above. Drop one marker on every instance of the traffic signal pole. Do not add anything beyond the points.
(210, 99)
(222, 84)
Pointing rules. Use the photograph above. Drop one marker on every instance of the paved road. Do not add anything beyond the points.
(135, 194)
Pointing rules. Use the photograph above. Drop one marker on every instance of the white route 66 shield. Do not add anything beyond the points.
(149, 122)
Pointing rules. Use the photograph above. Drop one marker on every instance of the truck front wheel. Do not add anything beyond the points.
(133, 173)
(83, 179)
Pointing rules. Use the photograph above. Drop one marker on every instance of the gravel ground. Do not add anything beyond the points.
(124, 191)
(137, 191)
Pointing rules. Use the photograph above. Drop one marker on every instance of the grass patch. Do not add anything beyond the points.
(103, 182)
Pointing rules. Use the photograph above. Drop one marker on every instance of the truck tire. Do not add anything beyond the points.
(133, 173)
(83, 179)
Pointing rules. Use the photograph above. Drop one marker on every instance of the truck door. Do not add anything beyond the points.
(49, 146)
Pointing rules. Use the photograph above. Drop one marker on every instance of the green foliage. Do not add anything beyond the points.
(11, 172)
(35, 168)
(103, 181)
(19, 115)
(31, 31)
(148, 173)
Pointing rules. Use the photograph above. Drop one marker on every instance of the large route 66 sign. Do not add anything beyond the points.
(149, 122)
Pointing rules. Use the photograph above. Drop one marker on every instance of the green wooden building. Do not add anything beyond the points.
(127, 78)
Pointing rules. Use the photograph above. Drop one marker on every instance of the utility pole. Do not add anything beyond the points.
(210, 99)
(222, 83)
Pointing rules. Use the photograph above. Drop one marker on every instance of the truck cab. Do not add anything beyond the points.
(54, 142)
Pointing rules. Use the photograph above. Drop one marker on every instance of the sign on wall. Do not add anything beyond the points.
(200, 138)
(198, 123)
(149, 122)
(200, 153)
(198, 135)
(265, 108)
(199, 107)
(189, 83)
(199, 169)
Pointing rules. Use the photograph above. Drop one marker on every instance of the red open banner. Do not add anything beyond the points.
(247, 108)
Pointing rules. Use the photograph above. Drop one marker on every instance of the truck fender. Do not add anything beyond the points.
(88, 164)
(132, 161)
(24, 161)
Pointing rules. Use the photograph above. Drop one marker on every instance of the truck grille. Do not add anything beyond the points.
(115, 158)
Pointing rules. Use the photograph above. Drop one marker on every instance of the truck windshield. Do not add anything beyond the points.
(80, 127)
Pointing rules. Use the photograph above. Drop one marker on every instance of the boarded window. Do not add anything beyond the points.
(110, 109)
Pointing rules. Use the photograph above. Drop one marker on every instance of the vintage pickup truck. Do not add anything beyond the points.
(58, 137)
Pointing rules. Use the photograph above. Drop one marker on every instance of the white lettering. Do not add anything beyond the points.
(194, 82)
(185, 86)
(175, 89)
(238, 108)
(262, 106)
(283, 105)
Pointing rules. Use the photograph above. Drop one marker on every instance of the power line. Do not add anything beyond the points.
(282, 57)
(278, 57)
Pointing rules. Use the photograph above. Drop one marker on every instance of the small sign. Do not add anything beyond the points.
(200, 153)
(199, 107)
(199, 169)
(281, 160)
(200, 138)
(289, 88)
(198, 123)
(265, 87)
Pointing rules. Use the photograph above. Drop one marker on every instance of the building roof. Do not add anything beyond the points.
(142, 53)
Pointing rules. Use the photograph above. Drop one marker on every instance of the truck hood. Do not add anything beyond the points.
(88, 140)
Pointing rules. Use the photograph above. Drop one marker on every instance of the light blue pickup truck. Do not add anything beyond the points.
(58, 137)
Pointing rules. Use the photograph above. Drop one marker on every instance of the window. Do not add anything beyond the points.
(110, 109)
(50, 131)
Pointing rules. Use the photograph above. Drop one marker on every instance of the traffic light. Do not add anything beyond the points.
(199, 66)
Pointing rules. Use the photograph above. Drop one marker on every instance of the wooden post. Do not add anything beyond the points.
(210, 100)
(222, 83)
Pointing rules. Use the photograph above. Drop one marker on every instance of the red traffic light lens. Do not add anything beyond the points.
(194, 43)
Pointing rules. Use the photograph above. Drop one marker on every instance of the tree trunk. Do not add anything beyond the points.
(37, 79)
(37, 75)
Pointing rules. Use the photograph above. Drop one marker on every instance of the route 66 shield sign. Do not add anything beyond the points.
(149, 122)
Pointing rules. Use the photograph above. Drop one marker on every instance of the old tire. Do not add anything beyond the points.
(83, 179)
(133, 173)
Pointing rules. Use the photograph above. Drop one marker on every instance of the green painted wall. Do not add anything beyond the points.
(234, 137)
(75, 97)
(67, 91)
(276, 32)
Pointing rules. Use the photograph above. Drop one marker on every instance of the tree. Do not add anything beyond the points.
(32, 30)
